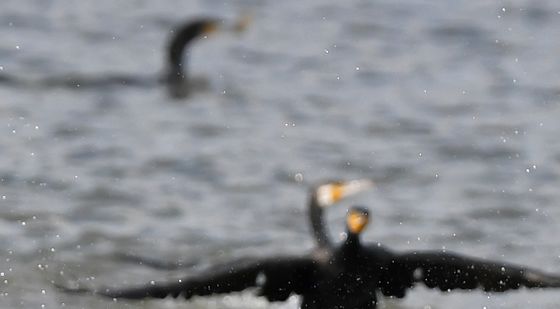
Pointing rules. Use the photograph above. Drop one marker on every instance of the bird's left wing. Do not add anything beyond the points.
(276, 278)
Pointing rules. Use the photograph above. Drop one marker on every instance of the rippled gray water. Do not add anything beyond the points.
(451, 107)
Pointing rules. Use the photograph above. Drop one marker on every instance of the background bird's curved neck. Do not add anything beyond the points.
(317, 223)
(177, 56)
(176, 70)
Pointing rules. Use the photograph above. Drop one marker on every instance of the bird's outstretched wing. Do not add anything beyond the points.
(276, 279)
(448, 271)
(155, 263)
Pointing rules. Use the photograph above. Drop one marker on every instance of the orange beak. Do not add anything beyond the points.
(356, 221)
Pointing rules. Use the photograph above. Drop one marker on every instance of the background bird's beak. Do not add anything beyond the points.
(242, 23)
(356, 221)
(348, 188)
(355, 186)
(237, 26)
(332, 193)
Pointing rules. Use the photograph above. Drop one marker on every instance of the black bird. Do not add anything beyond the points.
(321, 196)
(175, 77)
(348, 277)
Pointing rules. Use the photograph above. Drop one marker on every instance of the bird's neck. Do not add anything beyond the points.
(317, 222)
(352, 243)
(177, 68)
(177, 54)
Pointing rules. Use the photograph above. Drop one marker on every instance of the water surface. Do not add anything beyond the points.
(451, 107)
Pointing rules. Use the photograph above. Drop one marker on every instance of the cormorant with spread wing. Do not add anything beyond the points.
(347, 277)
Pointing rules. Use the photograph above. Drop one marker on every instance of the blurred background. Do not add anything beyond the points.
(451, 107)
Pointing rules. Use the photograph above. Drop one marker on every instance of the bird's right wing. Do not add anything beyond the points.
(276, 279)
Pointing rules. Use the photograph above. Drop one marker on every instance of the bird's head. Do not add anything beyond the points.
(182, 36)
(203, 26)
(331, 192)
(200, 27)
(357, 219)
